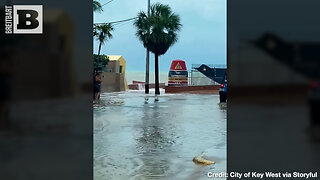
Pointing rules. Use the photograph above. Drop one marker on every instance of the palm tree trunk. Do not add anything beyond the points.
(146, 88)
(157, 73)
(99, 48)
(99, 58)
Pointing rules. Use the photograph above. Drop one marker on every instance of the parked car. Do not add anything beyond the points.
(223, 92)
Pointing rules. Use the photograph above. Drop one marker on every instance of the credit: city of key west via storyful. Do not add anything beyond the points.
(259, 175)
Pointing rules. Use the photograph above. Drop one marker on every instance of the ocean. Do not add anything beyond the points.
(195, 78)
(140, 76)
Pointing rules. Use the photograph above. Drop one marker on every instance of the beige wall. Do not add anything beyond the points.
(114, 65)
(112, 82)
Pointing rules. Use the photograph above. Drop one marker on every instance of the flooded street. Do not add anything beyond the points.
(135, 138)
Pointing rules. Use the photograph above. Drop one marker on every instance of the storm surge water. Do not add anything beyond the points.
(137, 137)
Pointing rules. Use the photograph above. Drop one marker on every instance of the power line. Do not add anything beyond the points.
(114, 22)
(107, 3)
(121, 24)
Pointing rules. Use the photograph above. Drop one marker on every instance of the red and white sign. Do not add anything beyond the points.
(178, 65)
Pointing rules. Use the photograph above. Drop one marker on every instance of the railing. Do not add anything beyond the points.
(193, 66)
(195, 78)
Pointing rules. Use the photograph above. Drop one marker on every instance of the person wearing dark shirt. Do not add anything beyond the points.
(97, 86)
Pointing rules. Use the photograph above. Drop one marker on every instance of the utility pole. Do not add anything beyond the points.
(147, 61)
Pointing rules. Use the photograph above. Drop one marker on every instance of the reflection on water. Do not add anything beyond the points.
(139, 138)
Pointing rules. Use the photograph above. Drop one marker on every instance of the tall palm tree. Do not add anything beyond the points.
(97, 7)
(158, 32)
(102, 33)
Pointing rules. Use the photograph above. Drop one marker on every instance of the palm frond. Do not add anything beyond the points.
(103, 32)
(158, 31)
(97, 7)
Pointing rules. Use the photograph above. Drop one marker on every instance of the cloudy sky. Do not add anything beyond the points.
(202, 38)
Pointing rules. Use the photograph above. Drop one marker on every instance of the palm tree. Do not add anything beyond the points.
(102, 33)
(158, 32)
(97, 7)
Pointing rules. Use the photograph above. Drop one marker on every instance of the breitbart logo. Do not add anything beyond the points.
(23, 19)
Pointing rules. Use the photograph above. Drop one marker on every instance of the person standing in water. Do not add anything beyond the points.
(97, 86)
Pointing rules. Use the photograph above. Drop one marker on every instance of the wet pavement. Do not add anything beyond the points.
(135, 138)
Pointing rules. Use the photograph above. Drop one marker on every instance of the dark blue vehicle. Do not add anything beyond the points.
(219, 75)
(223, 92)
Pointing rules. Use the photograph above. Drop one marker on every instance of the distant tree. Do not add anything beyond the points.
(157, 32)
(102, 33)
(100, 62)
(97, 7)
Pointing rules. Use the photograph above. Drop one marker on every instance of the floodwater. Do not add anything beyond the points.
(135, 138)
